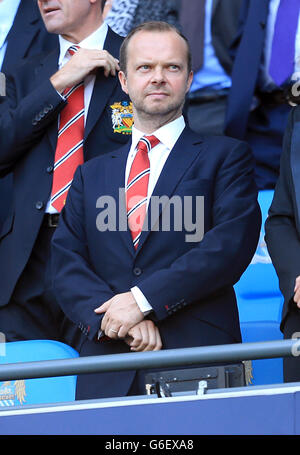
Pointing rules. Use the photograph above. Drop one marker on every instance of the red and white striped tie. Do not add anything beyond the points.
(69, 149)
(137, 187)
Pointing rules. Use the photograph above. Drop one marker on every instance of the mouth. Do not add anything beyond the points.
(50, 10)
(158, 95)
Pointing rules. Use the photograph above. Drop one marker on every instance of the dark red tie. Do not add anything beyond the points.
(69, 149)
(137, 187)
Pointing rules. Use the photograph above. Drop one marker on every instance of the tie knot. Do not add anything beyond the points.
(146, 143)
(73, 49)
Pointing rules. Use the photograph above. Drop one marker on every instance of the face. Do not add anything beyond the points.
(70, 18)
(157, 77)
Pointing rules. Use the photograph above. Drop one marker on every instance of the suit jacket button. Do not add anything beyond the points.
(137, 271)
(49, 169)
(39, 205)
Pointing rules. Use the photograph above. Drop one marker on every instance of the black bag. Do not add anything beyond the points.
(195, 380)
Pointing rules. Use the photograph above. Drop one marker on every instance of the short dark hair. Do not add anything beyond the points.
(152, 26)
(103, 4)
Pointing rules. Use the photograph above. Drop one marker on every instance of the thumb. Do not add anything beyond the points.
(102, 308)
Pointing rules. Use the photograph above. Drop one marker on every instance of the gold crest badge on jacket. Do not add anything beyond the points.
(122, 117)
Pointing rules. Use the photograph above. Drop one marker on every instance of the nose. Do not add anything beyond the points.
(158, 75)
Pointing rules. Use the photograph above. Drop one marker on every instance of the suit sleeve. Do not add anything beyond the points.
(282, 236)
(24, 119)
(226, 249)
(78, 289)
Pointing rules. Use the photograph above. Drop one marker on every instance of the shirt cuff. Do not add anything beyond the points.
(141, 301)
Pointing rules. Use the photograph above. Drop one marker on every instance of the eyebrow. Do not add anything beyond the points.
(167, 63)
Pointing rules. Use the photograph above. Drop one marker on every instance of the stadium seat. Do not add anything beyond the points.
(41, 390)
(258, 294)
(265, 371)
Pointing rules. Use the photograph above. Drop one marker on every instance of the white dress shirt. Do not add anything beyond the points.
(93, 41)
(8, 11)
(168, 136)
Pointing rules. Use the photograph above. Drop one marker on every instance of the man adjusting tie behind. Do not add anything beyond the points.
(57, 113)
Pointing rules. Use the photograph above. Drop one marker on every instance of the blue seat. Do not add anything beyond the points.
(258, 294)
(40, 390)
(265, 371)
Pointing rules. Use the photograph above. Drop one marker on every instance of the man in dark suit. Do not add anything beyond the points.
(210, 26)
(35, 108)
(26, 37)
(282, 237)
(155, 281)
(260, 99)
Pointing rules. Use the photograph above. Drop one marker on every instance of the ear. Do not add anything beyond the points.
(123, 81)
(189, 81)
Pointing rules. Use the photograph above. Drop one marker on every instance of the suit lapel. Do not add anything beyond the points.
(246, 66)
(177, 164)
(115, 187)
(26, 25)
(214, 7)
(103, 86)
(179, 161)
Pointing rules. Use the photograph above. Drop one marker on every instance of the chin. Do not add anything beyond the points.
(53, 28)
(160, 110)
(55, 24)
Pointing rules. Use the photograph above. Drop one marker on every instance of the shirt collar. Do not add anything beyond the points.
(167, 134)
(93, 41)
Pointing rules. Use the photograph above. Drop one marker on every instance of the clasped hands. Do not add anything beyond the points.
(124, 320)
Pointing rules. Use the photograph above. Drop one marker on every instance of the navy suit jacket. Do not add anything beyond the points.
(28, 136)
(247, 49)
(188, 284)
(283, 223)
(27, 37)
